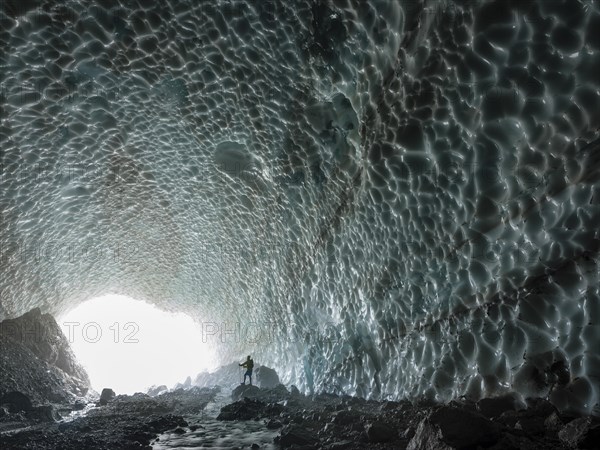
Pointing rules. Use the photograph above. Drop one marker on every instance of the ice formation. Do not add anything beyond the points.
(402, 196)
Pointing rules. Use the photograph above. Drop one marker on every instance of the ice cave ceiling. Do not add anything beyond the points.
(403, 195)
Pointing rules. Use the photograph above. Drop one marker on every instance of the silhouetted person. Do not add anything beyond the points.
(249, 365)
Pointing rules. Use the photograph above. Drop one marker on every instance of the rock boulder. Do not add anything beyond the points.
(452, 427)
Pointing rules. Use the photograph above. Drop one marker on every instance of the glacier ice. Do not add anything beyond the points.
(405, 194)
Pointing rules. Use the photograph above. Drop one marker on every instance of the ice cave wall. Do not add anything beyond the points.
(401, 196)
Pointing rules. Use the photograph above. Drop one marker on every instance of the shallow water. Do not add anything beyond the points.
(76, 414)
(212, 433)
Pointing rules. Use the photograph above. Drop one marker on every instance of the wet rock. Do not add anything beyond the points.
(273, 424)
(16, 401)
(581, 433)
(162, 423)
(294, 392)
(139, 445)
(79, 405)
(247, 409)
(453, 427)
(380, 432)
(266, 377)
(339, 445)
(296, 435)
(106, 396)
(44, 413)
(3, 411)
(494, 407)
(346, 417)
(276, 394)
(179, 430)
(141, 436)
(254, 446)
(245, 391)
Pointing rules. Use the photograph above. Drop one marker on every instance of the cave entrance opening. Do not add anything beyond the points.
(129, 345)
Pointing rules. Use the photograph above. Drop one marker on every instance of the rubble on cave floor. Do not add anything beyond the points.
(123, 421)
(281, 418)
(327, 421)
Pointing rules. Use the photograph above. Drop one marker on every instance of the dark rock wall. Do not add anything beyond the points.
(37, 360)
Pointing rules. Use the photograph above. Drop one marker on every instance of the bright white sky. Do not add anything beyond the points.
(139, 344)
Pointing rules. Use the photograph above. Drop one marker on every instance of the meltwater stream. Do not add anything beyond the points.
(216, 434)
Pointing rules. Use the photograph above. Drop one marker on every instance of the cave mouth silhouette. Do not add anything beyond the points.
(129, 345)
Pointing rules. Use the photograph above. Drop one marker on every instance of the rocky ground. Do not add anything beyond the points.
(116, 422)
(280, 418)
(342, 422)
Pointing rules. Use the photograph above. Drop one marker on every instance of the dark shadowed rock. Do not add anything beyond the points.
(247, 409)
(531, 424)
(244, 409)
(162, 423)
(553, 424)
(380, 432)
(581, 433)
(276, 394)
(494, 407)
(390, 405)
(452, 427)
(539, 407)
(245, 391)
(106, 396)
(37, 360)
(16, 401)
(44, 413)
(296, 435)
(340, 445)
(273, 424)
(266, 377)
(79, 405)
(531, 421)
(346, 417)
(561, 373)
(408, 433)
